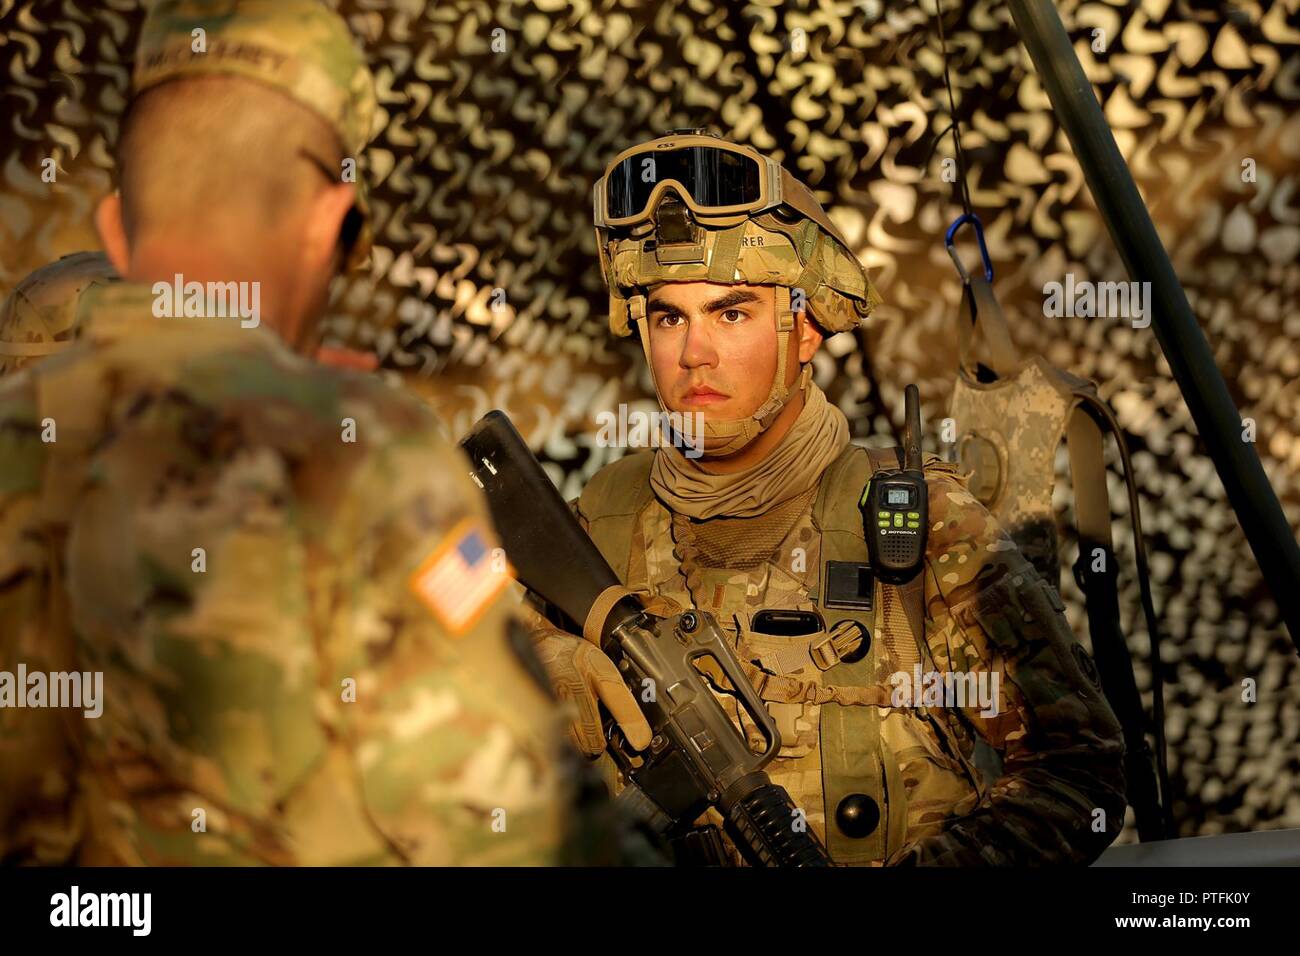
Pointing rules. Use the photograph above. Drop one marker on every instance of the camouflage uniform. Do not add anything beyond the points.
(39, 317)
(986, 610)
(224, 687)
(233, 535)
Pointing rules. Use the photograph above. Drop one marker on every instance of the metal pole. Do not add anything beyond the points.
(1184, 344)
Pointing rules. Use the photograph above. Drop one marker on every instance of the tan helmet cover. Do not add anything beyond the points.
(795, 248)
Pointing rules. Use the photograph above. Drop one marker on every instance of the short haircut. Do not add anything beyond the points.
(205, 149)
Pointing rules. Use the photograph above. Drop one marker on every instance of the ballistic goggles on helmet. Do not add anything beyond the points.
(721, 183)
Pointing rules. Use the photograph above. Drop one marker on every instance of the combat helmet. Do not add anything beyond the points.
(691, 206)
(39, 318)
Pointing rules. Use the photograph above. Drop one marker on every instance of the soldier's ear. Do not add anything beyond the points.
(809, 335)
(323, 223)
(112, 231)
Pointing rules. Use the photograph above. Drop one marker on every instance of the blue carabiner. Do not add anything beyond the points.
(957, 223)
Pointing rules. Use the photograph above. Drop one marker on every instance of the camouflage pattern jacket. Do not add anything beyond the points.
(870, 730)
(278, 570)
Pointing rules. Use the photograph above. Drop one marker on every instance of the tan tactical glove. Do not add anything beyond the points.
(582, 674)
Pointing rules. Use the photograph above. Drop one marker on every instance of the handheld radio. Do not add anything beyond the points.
(895, 506)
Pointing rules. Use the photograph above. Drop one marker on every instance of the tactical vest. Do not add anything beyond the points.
(861, 747)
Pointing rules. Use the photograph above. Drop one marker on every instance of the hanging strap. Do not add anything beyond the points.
(985, 338)
(1100, 586)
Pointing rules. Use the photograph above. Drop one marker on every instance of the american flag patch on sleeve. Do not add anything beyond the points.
(461, 577)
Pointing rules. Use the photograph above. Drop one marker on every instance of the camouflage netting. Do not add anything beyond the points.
(484, 290)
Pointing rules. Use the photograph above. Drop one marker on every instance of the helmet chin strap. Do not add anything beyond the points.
(723, 439)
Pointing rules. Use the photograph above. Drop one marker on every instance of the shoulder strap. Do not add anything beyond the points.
(611, 502)
(835, 511)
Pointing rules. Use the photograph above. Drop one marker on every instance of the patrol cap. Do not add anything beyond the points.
(299, 47)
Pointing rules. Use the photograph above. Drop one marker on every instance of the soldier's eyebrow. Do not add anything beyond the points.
(667, 308)
(739, 297)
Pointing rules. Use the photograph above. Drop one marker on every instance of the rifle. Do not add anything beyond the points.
(697, 758)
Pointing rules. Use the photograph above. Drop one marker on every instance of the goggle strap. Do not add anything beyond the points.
(797, 195)
(606, 261)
